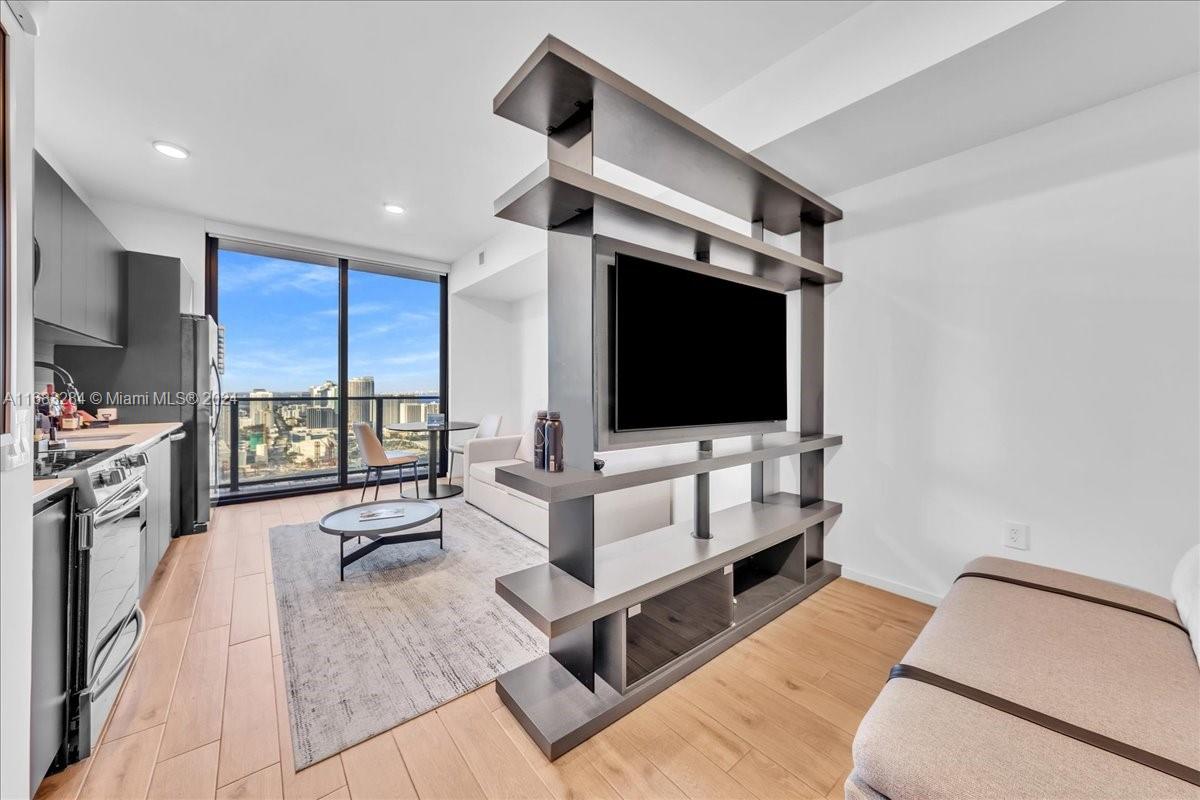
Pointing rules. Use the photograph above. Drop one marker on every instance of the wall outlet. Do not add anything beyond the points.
(1016, 535)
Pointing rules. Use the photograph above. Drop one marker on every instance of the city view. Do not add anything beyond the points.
(292, 434)
(279, 421)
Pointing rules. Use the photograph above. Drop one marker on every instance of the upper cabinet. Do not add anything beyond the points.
(80, 275)
(47, 237)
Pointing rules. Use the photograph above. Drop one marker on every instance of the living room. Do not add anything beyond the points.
(615, 400)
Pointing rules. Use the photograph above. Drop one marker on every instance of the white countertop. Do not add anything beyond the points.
(134, 435)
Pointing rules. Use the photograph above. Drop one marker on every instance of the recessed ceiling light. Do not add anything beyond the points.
(171, 150)
(392, 208)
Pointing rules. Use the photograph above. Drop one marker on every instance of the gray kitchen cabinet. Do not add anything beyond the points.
(104, 283)
(75, 235)
(158, 504)
(81, 283)
(47, 233)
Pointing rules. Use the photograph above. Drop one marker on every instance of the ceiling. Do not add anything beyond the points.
(307, 117)
(1065, 59)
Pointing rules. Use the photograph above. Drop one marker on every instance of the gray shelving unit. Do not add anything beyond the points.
(630, 618)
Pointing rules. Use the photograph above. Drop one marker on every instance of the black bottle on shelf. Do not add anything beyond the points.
(539, 441)
(554, 443)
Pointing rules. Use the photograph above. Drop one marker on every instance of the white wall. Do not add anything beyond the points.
(498, 331)
(16, 473)
(533, 349)
(1018, 338)
(167, 233)
(484, 362)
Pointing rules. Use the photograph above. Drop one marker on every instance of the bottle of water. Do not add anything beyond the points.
(554, 442)
(539, 441)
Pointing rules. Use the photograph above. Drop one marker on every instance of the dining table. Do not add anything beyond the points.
(435, 431)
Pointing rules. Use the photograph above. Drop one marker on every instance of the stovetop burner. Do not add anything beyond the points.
(53, 462)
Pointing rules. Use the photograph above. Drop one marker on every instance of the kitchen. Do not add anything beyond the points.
(121, 454)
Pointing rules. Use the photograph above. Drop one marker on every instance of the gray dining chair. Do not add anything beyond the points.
(377, 459)
(489, 426)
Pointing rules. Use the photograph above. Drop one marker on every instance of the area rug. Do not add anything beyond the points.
(409, 629)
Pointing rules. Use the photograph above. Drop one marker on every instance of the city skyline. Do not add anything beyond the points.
(281, 326)
(281, 436)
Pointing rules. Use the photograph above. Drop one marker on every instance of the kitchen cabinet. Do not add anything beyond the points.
(75, 230)
(47, 234)
(105, 289)
(48, 692)
(80, 286)
(159, 527)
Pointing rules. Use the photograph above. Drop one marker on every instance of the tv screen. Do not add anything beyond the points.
(688, 349)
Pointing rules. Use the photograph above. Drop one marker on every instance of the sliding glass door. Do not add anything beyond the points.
(314, 344)
(393, 355)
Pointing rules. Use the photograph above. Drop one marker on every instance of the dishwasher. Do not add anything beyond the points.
(52, 636)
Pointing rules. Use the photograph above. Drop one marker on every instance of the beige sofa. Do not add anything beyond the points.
(618, 514)
(1111, 671)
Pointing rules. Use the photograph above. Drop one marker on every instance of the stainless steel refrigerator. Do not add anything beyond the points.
(166, 372)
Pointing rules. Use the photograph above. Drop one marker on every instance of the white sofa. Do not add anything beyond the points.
(618, 514)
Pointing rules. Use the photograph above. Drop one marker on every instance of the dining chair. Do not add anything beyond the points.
(489, 426)
(377, 459)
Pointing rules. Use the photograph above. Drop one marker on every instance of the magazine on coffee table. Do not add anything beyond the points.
(370, 515)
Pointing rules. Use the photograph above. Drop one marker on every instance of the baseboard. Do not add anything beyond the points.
(920, 595)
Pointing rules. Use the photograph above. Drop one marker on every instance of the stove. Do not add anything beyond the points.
(51, 463)
(99, 475)
(110, 569)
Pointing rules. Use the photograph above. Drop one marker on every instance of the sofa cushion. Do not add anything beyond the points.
(1119, 674)
(1185, 586)
(485, 471)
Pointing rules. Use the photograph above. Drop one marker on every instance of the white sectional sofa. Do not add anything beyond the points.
(618, 514)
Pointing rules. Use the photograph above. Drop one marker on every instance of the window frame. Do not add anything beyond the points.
(340, 479)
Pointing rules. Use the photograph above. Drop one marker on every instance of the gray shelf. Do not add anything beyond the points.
(554, 194)
(633, 129)
(642, 566)
(558, 712)
(570, 484)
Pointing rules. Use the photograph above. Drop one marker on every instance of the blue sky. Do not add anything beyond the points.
(281, 324)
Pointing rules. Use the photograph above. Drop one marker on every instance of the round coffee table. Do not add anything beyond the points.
(347, 523)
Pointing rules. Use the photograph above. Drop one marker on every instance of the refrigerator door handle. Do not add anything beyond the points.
(217, 406)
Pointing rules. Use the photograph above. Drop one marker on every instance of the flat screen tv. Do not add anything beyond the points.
(688, 349)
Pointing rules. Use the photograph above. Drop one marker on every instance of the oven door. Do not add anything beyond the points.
(115, 622)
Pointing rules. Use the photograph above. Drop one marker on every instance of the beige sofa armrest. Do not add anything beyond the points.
(476, 451)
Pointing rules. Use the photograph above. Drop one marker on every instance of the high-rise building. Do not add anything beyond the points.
(327, 390)
(261, 411)
(320, 417)
(361, 410)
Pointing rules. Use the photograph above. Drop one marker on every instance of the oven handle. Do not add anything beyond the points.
(103, 651)
(139, 494)
(100, 685)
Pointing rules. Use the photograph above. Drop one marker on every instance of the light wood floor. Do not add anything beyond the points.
(203, 712)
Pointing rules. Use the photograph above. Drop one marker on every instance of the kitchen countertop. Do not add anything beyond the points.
(45, 488)
(135, 435)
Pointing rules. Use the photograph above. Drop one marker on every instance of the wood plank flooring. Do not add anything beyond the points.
(203, 712)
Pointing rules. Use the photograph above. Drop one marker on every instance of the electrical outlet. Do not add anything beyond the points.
(1016, 535)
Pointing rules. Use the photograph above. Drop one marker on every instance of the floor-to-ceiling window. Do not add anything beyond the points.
(393, 353)
(314, 344)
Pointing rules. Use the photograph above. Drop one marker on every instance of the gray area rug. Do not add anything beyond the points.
(410, 628)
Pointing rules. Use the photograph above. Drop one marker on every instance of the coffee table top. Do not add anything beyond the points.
(346, 521)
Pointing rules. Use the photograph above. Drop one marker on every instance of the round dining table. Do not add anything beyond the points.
(436, 490)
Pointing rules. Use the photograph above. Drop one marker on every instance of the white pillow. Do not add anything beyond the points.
(1185, 587)
(525, 448)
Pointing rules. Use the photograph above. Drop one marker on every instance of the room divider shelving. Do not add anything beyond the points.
(627, 619)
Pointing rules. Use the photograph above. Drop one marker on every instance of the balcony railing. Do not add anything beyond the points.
(267, 444)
